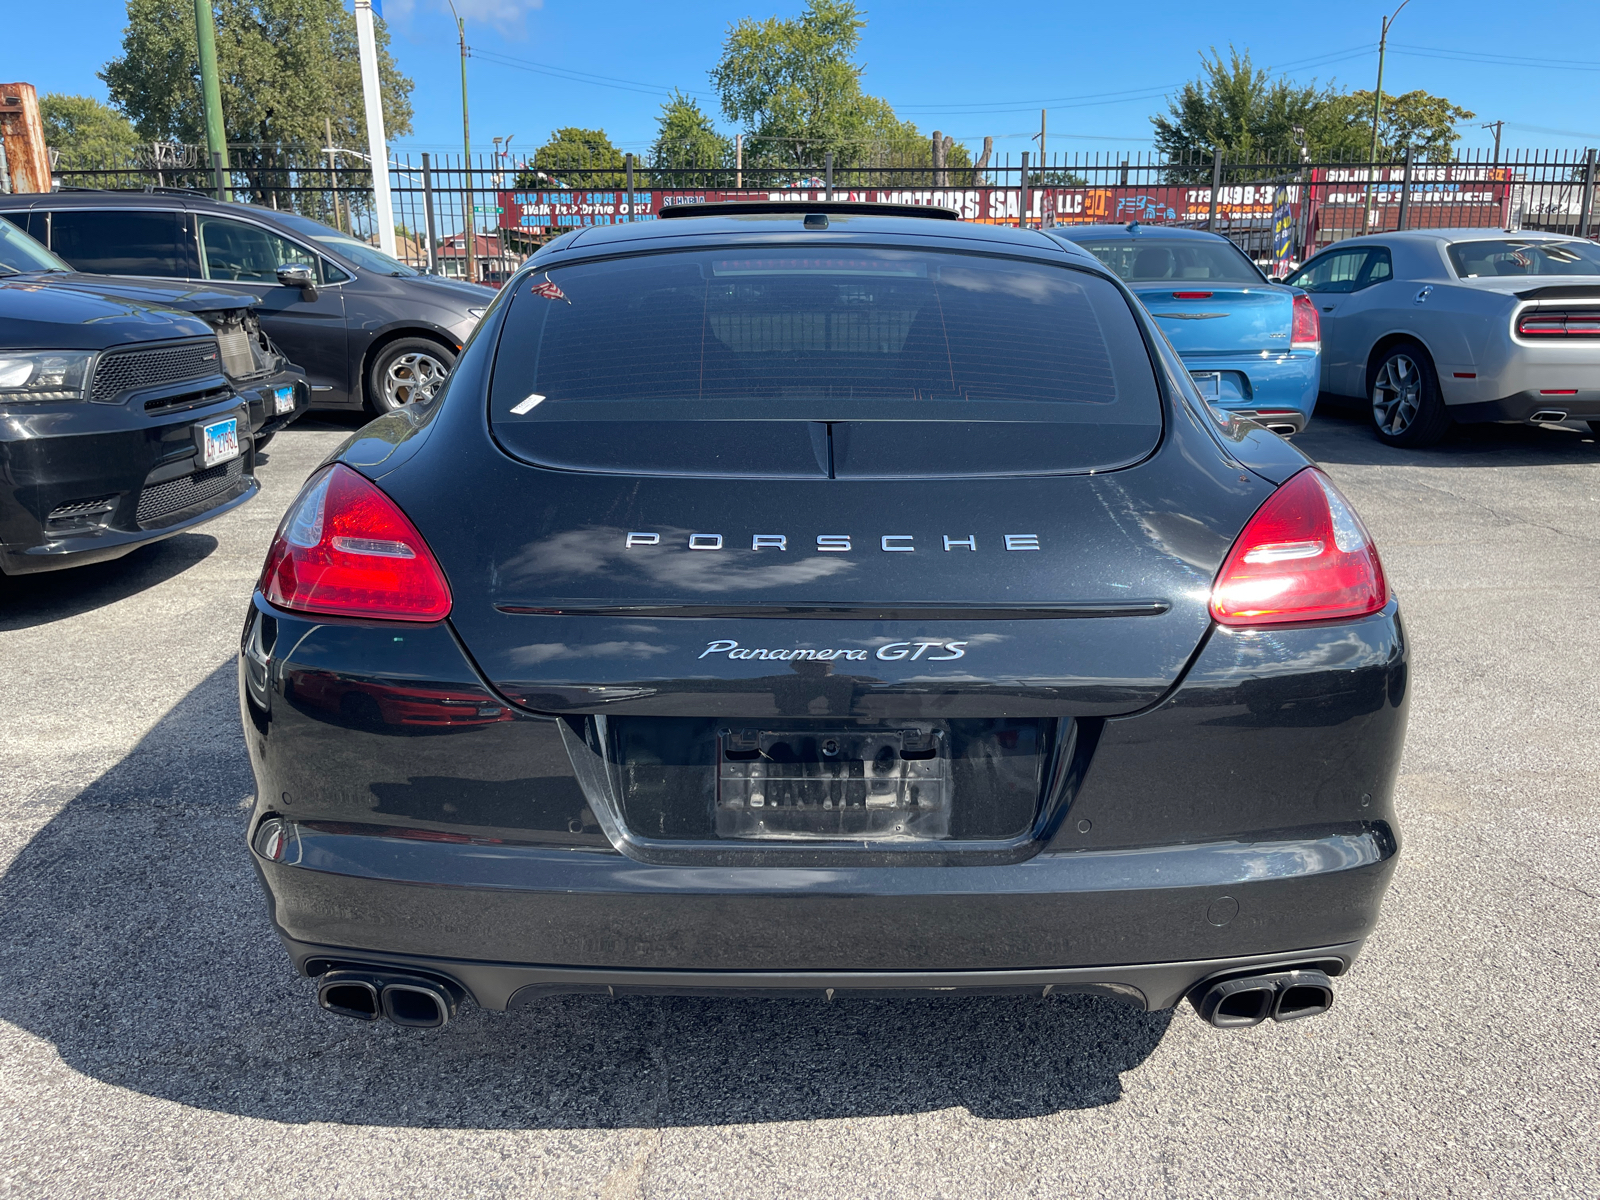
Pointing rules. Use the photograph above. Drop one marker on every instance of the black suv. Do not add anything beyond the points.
(367, 329)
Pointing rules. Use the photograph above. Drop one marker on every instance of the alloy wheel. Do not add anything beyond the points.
(412, 376)
(1396, 394)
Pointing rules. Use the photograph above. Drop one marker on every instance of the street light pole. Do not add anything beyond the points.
(377, 146)
(1377, 111)
(469, 235)
(205, 31)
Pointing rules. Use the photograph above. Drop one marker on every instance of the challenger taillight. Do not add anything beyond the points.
(1542, 323)
(1304, 556)
(1307, 332)
(347, 550)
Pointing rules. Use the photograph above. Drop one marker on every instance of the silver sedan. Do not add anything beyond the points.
(1434, 326)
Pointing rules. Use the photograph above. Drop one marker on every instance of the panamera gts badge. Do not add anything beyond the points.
(945, 651)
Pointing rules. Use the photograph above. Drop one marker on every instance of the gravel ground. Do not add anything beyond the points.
(153, 1041)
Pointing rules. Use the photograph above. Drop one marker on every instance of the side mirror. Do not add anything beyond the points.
(301, 276)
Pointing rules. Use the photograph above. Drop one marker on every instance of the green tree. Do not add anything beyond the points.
(685, 137)
(1237, 106)
(286, 68)
(1254, 116)
(1415, 119)
(796, 88)
(85, 132)
(571, 149)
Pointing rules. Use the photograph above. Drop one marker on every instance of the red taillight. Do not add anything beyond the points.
(1545, 323)
(1304, 556)
(346, 549)
(1307, 334)
(1191, 295)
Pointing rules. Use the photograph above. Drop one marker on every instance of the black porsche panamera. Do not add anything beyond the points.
(804, 600)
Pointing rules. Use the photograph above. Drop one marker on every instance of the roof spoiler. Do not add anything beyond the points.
(843, 208)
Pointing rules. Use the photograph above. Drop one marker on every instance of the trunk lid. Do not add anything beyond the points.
(1221, 319)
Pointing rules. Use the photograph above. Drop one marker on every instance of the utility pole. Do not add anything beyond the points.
(738, 162)
(377, 145)
(1377, 111)
(1497, 126)
(205, 30)
(1042, 159)
(333, 173)
(469, 230)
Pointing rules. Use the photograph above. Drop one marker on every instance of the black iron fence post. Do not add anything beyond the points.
(828, 173)
(1405, 190)
(1022, 207)
(1587, 208)
(1216, 187)
(427, 214)
(627, 162)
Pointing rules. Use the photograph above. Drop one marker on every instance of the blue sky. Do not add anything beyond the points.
(967, 69)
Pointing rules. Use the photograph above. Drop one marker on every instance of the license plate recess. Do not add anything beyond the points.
(852, 784)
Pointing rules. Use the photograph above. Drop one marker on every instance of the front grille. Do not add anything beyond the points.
(188, 491)
(195, 399)
(121, 371)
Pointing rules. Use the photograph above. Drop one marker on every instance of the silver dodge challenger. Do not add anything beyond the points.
(1434, 326)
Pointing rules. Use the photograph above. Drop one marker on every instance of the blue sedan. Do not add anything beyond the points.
(1253, 346)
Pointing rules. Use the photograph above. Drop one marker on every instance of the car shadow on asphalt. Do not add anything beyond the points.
(133, 939)
(1341, 433)
(27, 601)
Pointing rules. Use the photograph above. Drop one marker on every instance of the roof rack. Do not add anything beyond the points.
(852, 208)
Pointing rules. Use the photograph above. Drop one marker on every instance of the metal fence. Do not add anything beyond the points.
(1278, 211)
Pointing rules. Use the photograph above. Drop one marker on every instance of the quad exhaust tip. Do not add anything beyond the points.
(1282, 995)
(411, 1001)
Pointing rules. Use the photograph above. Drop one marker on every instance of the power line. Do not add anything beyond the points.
(1497, 60)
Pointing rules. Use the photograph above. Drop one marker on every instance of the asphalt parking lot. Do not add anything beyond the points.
(154, 1042)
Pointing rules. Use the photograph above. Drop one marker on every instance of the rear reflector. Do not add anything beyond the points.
(1307, 334)
(1304, 556)
(346, 549)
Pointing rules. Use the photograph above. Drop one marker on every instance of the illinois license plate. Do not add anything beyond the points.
(282, 400)
(219, 441)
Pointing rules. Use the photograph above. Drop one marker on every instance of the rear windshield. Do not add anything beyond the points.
(1186, 260)
(1517, 256)
(845, 332)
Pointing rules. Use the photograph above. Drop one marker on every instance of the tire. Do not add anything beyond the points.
(1594, 428)
(1406, 407)
(406, 370)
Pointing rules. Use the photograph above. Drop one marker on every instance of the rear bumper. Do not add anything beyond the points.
(1582, 404)
(1282, 383)
(142, 471)
(1246, 818)
(499, 985)
(1147, 925)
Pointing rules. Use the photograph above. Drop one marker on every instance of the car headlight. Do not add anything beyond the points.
(44, 375)
(477, 313)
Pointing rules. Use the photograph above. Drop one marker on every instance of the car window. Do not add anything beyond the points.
(1181, 260)
(367, 257)
(242, 253)
(770, 330)
(1336, 271)
(1520, 256)
(120, 241)
(1379, 267)
(20, 254)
